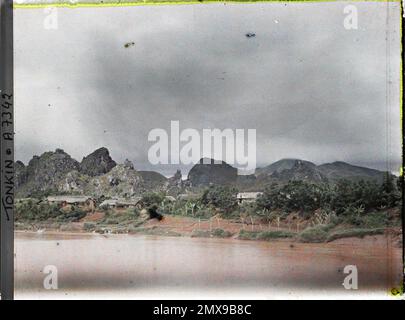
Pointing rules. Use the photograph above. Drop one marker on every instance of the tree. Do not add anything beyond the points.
(269, 199)
(295, 195)
(390, 194)
(220, 197)
(153, 198)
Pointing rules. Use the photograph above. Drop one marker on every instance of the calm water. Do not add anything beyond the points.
(122, 266)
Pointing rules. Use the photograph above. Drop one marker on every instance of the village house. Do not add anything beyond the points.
(84, 202)
(122, 203)
(187, 196)
(248, 196)
(22, 200)
(109, 203)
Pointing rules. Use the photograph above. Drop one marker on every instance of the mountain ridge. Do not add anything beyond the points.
(98, 174)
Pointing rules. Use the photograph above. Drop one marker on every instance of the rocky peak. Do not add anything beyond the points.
(176, 180)
(281, 165)
(43, 172)
(342, 170)
(20, 173)
(209, 171)
(128, 164)
(51, 163)
(97, 163)
(301, 170)
(177, 176)
(120, 181)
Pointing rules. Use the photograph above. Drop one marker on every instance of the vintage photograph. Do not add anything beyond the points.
(219, 150)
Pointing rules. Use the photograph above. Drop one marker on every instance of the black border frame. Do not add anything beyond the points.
(7, 151)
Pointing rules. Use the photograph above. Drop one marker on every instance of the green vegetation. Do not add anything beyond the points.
(265, 235)
(216, 233)
(360, 203)
(326, 211)
(358, 233)
(213, 200)
(380, 219)
(295, 195)
(221, 198)
(192, 208)
(34, 211)
(89, 226)
(220, 233)
(75, 214)
(200, 234)
(317, 233)
(342, 197)
(116, 221)
(360, 208)
(278, 234)
(156, 231)
(153, 198)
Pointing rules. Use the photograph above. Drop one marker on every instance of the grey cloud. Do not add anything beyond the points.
(309, 87)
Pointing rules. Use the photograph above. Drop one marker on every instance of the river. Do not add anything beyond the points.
(150, 267)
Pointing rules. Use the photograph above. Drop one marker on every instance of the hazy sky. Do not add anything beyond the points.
(311, 88)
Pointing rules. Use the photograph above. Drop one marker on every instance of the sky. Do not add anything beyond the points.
(309, 87)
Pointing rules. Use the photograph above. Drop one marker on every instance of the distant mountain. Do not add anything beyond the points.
(301, 170)
(20, 174)
(342, 170)
(120, 181)
(208, 172)
(97, 163)
(153, 180)
(44, 172)
(57, 172)
(99, 175)
(296, 169)
(280, 165)
(280, 171)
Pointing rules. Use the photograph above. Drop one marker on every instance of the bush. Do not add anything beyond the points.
(317, 233)
(111, 221)
(132, 212)
(42, 211)
(247, 235)
(220, 233)
(153, 198)
(89, 226)
(376, 220)
(358, 233)
(277, 234)
(200, 234)
(34, 210)
(353, 220)
(217, 233)
(125, 217)
(265, 235)
(74, 215)
(367, 220)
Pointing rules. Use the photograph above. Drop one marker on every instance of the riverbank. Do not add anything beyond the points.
(180, 226)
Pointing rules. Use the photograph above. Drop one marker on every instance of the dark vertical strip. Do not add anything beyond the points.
(403, 144)
(7, 151)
